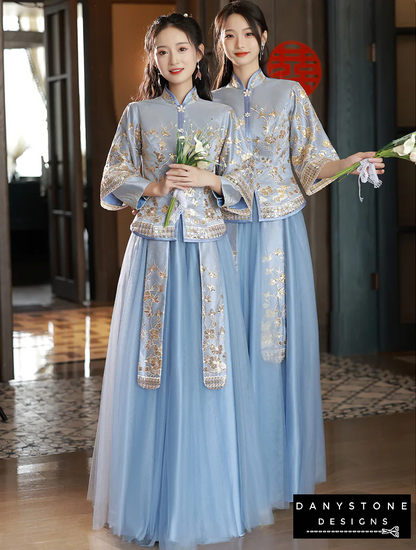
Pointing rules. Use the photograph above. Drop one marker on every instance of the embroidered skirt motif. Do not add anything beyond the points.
(272, 285)
(149, 370)
(288, 393)
(181, 465)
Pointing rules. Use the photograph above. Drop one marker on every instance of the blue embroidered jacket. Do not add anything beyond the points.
(145, 145)
(285, 136)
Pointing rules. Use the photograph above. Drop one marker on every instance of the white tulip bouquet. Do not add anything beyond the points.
(190, 154)
(402, 148)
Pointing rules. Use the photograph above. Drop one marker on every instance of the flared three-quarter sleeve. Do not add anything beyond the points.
(310, 147)
(236, 169)
(122, 183)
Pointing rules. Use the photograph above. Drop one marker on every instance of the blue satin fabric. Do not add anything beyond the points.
(186, 466)
(288, 394)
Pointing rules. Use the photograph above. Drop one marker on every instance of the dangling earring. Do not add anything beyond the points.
(158, 79)
(198, 74)
(262, 49)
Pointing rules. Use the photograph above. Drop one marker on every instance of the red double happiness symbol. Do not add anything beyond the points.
(295, 61)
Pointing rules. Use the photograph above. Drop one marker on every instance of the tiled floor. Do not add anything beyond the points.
(60, 354)
(59, 415)
(53, 402)
(352, 388)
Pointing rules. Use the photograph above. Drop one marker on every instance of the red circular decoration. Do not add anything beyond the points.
(295, 61)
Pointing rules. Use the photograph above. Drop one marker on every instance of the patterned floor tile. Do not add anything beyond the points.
(353, 389)
(59, 416)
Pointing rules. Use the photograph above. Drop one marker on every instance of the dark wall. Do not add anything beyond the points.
(101, 123)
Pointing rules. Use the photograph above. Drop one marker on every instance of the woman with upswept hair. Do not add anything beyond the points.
(177, 455)
(272, 251)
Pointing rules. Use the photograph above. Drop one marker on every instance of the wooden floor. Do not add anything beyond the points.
(43, 502)
(45, 341)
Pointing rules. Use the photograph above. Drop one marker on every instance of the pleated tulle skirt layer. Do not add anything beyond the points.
(181, 464)
(288, 394)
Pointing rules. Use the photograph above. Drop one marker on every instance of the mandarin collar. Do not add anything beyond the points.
(255, 79)
(190, 97)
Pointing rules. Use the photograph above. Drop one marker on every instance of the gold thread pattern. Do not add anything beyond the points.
(149, 369)
(273, 320)
(213, 318)
(120, 164)
(143, 148)
(310, 148)
(287, 139)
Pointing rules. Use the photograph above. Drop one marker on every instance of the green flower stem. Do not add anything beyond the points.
(191, 158)
(171, 205)
(386, 153)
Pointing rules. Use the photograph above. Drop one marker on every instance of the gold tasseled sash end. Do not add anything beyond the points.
(148, 383)
(215, 382)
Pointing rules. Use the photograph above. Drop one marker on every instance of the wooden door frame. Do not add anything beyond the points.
(65, 286)
(101, 125)
(6, 312)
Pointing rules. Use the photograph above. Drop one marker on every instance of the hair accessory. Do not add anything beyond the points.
(198, 74)
(185, 15)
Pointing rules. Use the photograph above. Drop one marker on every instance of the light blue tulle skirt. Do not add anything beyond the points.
(288, 394)
(181, 464)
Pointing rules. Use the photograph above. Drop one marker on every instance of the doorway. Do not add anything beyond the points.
(83, 239)
(41, 187)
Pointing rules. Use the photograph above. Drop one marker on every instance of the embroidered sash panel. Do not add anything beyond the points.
(213, 317)
(273, 294)
(214, 368)
(149, 369)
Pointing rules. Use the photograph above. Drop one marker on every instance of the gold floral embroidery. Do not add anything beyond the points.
(149, 370)
(119, 166)
(213, 318)
(254, 82)
(309, 152)
(273, 325)
(167, 97)
(144, 152)
(155, 154)
(266, 190)
(241, 179)
(284, 131)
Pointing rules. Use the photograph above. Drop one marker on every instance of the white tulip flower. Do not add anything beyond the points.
(186, 148)
(199, 148)
(407, 146)
(202, 164)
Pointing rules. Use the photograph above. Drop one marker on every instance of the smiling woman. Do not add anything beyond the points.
(176, 458)
(271, 248)
(244, 39)
(176, 57)
(175, 49)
